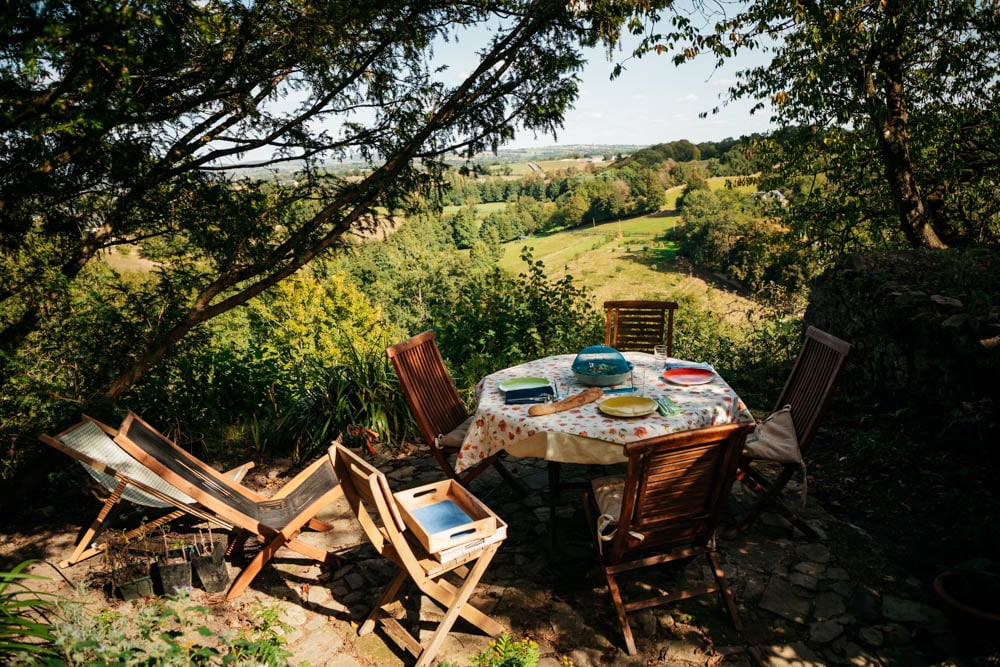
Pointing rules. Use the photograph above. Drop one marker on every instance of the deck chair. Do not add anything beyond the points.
(437, 408)
(807, 390)
(276, 520)
(92, 445)
(666, 507)
(369, 496)
(639, 325)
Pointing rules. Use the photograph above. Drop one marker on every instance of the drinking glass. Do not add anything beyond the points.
(660, 353)
(639, 380)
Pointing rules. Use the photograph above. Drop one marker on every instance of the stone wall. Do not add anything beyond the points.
(925, 327)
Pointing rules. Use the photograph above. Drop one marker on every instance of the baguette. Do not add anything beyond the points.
(568, 403)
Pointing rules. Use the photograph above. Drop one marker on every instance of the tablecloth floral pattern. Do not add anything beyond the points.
(497, 425)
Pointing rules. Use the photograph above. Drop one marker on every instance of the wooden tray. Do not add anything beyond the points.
(444, 514)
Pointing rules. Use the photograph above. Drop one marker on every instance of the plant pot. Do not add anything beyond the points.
(135, 588)
(175, 575)
(972, 601)
(211, 570)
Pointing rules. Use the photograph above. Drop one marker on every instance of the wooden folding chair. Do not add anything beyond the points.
(277, 520)
(666, 507)
(639, 325)
(807, 390)
(369, 496)
(91, 444)
(437, 408)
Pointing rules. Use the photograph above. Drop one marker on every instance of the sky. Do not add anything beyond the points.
(651, 102)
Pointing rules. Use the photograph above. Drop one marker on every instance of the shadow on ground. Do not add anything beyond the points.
(837, 600)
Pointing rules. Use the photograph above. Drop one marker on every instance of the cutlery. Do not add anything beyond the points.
(666, 406)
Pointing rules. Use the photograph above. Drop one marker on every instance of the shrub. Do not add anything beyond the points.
(505, 652)
(496, 321)
(37, 628)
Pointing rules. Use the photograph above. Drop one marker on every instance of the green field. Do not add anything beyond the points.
(630, 259)
(482, 210)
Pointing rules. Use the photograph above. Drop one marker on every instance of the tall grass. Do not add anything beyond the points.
(24, 627)
(360, 393)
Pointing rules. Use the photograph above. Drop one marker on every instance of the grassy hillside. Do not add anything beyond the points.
(629, 259)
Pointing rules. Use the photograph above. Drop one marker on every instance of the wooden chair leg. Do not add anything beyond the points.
(454, 600)
(616, 600)
(388, 595)
(455, 607)
(248, 573)
(445, 594)
(319, 526)
(95, 528)
(769, 500)
(82, 553)
(724, 591)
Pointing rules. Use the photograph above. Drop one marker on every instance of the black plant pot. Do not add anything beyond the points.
(135, 588)
(211, 570)
(175, 575)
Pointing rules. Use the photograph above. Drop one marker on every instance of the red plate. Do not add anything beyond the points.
(689, 375)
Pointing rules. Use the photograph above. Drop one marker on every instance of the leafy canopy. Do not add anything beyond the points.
(154, 123)
(892, 105)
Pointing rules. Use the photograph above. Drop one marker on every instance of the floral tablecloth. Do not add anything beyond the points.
(585, 434)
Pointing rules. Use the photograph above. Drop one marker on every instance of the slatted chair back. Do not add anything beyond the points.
(807, 390)
(675, 489)
(672, 497)
(809, 385)
(437, 408)
(639, 325)
(428, 387)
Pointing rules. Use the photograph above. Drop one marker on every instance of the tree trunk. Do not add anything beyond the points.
(892, 123)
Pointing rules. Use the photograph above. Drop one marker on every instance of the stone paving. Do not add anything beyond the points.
(826, 602)
(834, 601)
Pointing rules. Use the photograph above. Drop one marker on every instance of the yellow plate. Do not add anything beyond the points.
(627, 406)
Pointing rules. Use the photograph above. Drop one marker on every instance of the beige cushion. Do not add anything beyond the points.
(608, 494)
(774, 439)
(453, 439)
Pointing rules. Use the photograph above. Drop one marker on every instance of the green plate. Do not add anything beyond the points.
(523, 383)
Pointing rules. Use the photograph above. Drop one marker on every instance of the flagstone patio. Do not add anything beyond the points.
(832, 601)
